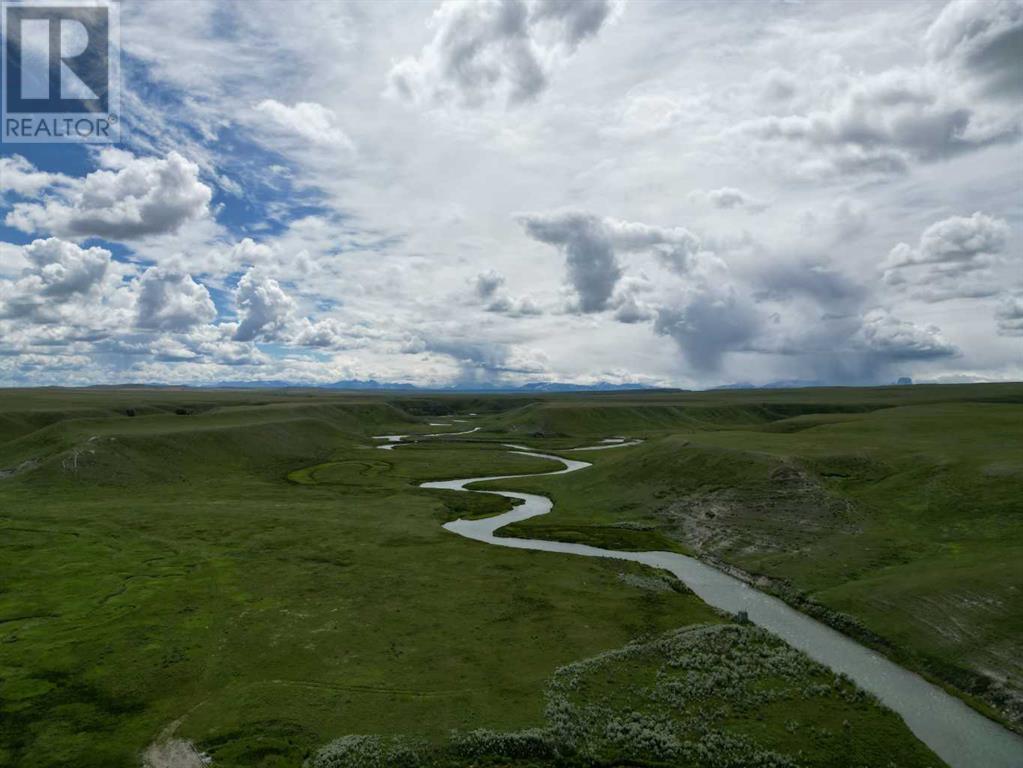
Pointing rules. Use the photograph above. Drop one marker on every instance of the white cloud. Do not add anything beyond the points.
(885, 122)
(322, 333)
(141, 197)
(895, 340)
(647, 113)
(487, 287)
(172, 301)
(379, 257)
(524, 306)
(66, 302)
(307, 120)
(953, 259)
(64, 285)
(21, 178)
(496, 49)
(62, 268)
(265, 310)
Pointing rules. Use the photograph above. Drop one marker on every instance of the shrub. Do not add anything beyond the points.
(356, 751)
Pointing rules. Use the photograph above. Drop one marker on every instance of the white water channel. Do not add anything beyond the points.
(959, 735)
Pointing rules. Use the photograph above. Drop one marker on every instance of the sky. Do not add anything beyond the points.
(686, 194)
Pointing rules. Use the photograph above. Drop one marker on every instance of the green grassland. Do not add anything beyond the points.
(901, 525)
(247, 571)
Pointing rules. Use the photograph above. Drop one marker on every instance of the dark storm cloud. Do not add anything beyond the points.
(709, 324)
(593, 268)
(820, 281)
(591, 244)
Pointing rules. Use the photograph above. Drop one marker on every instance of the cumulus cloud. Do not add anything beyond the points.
(630, 308)
(897, 340)
(515, 306)
(320, 333)
(952, 259)
(495, 49)
(307, 120)
(63, 268)
(960, 242)
(1010, 315)
(65, 296)
(264, 309)
(169, 300)
(487, 287)
(139, 197)
(882, 123)
(60, 282)
(590, 243)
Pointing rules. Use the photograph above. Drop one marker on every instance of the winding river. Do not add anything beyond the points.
(960, 736)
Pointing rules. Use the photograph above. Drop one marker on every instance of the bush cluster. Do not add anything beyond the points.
(671, 700)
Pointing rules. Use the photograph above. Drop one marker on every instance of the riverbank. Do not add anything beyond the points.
(960, 736)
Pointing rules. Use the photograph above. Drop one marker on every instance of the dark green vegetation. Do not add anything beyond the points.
(247, 571)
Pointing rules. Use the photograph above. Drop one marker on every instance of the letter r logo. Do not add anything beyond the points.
(57, 59)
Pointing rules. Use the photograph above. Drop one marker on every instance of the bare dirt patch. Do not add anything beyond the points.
(174, 753)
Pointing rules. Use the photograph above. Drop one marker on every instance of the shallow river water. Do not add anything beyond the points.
(960, 736)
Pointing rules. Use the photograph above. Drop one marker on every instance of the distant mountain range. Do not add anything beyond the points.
(802, 383)
(372, 384)
(534, 386)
